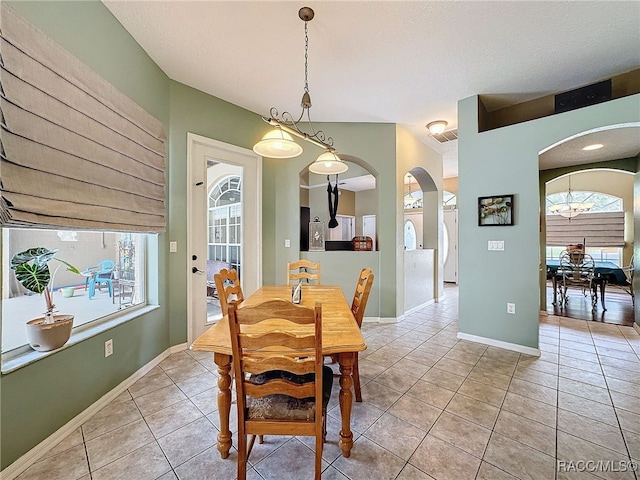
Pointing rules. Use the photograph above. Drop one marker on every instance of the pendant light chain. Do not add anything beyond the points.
(306, 56)
(279, 143)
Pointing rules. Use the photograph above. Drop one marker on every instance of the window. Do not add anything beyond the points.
(602, 202)
(605, 254)
(449, 200)
(123, 287)
(225, 222)
(601, 228)
(409, 235)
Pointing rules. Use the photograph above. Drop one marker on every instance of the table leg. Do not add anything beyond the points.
(224, 402)
(602, 285)
(346, 400)
(554, 282)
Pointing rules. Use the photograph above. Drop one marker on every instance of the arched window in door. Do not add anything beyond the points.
(224, 224)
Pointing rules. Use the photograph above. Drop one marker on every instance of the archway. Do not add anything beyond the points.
(422, 208)
(606, 171)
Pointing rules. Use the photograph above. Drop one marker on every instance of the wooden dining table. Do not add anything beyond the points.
(341, 336)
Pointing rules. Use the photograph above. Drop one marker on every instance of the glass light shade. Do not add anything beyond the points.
(437, 127)
(328, 163)
(571, 209)
(277, 144)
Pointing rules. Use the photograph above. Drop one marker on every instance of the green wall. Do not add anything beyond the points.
(193, 111)
(38, 399)
(505, 161)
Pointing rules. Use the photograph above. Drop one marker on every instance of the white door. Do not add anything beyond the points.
(344, 230)
(450, 245)
(200, 151)
(369, 228)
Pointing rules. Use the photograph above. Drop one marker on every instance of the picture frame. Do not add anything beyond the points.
(316, 236)
(496, 211)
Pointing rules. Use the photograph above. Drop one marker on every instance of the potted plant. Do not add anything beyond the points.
(32, 270)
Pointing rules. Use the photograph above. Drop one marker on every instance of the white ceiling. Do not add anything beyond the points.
(404, 62)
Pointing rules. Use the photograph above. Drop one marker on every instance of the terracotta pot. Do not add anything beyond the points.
(44, 337)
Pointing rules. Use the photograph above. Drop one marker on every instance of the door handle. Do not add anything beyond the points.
(195, 270)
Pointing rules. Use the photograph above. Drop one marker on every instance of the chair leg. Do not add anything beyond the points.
(356, 379)
(324, 426)
(242, 456)
(250, 447)
(319, 446)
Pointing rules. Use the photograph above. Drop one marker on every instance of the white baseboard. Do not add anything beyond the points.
(419, 307)
(379, 320)
(37, 452)
(499, 343)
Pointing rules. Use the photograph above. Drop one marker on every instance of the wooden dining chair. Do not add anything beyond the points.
(282, 387)
(303, 270)
(358, 306)
(228, 288)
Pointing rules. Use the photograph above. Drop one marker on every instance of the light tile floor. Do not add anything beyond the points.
(434, 407)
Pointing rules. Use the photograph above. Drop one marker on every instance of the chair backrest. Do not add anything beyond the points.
(106, 266)
(292, 346)
(361, 295)
(577, 266)
(215, 266)
(303, 270)
(629, 270)
(228, 287)
(106, 271)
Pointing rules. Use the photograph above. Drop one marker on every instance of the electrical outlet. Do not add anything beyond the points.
(173, 247)
(287, 243)
(511, 308)
(108, 348)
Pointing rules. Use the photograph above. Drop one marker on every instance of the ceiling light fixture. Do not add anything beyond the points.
(278, 142)
(594, 146)
(437, 127)
(570, 209)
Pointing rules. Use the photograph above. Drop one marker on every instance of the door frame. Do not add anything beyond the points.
(198, 148)
(450, 219)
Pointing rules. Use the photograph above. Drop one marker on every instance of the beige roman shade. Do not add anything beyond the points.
(75, 152)
(605, 229)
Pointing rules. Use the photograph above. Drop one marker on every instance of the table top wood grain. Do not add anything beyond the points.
(340, 332)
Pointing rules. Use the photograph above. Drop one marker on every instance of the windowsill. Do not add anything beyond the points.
(25, 355)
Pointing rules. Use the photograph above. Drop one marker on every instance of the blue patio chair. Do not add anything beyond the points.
(102, 277)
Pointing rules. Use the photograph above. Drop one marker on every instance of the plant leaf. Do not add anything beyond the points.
(70, 267)
(39, 255)
(33, 277)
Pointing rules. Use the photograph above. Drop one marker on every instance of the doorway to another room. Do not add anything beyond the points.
(224, 224)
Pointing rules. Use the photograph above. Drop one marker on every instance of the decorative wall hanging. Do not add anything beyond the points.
(496, 210)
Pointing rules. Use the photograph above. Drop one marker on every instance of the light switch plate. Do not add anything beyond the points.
(173, 247)
(495, 245)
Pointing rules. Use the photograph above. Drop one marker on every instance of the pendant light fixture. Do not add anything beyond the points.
(570, 209)
(279, 142)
